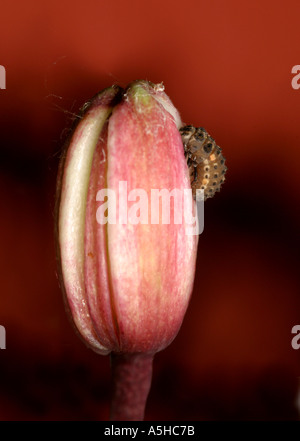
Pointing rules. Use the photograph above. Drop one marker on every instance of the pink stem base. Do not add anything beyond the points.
(131, 376)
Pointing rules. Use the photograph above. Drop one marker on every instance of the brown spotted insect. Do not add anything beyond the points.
(204, 159)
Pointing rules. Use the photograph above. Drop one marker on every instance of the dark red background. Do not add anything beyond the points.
(227, 67)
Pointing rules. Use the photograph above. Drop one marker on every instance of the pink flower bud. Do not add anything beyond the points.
(127, 284)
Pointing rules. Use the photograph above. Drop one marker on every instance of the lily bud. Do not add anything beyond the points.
(127, 281)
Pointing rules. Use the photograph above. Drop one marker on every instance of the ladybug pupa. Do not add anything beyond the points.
(205, 161)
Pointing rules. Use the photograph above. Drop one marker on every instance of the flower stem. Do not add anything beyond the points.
(131, 376)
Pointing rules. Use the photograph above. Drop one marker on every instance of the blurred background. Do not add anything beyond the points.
(227, 67)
